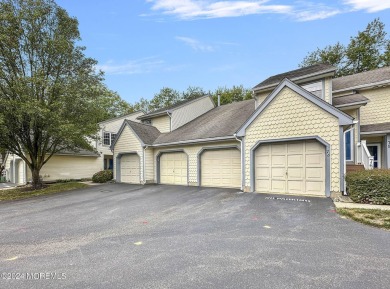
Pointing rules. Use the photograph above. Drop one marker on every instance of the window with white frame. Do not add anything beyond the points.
(108, 138)
(348, 145)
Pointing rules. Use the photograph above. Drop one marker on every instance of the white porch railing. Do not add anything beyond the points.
(363, 156)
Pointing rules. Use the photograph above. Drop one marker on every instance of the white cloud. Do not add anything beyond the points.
(140, 66)
(195, 44)
(191, 9)
(306, 11)
(368, 5)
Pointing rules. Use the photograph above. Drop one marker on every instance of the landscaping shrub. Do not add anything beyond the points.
(369, 186)
(102, 176)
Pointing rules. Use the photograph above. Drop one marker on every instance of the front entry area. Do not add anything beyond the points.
(173, 168)
(296, 167)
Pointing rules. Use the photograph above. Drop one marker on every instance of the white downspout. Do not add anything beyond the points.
(170, 120)
(14, 171)
(144, 165)
(242, 157)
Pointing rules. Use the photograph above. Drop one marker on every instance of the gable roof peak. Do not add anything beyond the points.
(316, 70)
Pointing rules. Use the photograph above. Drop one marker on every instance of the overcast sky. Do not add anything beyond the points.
(144, 45)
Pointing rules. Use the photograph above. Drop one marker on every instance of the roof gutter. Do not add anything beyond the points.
(352, 104)
(363, 86)
(375, 132)
(214, 139)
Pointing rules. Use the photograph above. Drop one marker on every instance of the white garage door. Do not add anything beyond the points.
(293, 167)
(221, 168)
(130, 170)
(173, 168)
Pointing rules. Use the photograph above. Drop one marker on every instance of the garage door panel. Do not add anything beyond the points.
(130, 169)
(278, 149)
(278, 160)
(296, 173)
(173, 168)
(279, 173)
(295, 160)
(313, 146)
(315, 160)
(295, 148)
(263, 159)
(278, 186)
(221, 168)
(295, 186)
(315, 188)
(314, 173)
(291, 167)
(262, 173)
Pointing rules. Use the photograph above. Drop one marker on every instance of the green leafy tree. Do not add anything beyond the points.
(49, 90)
(234, 94)
(111, 104)
(166, 97)
(193, 92)
(3, 153)
(369, 49)
(143, 104)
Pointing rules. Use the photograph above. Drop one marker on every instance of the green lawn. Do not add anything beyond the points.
(27, 192)
(376, 218)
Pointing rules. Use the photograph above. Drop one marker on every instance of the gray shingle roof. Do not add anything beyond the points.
(385, 127)
(361, 79)
(147, 133)
(293, 75)
(350, 99)
(221, 121)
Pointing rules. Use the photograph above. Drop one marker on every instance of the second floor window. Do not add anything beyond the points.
(108, 138)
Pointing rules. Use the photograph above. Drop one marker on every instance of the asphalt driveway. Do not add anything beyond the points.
(128, 236)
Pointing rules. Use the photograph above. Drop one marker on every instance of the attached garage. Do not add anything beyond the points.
(130, 169)
(173, 168)
(296, 167)
(220, 168)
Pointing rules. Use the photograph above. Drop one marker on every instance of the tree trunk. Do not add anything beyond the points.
(36, 179)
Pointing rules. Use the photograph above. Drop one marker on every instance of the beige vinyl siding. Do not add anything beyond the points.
(149, 165)
(354, 114)
(261, 96)
(20, 169)
(70, 167)
(328, 89)
(291, 115)
(8, 167)
(193, 151)
(186, 113)
(162, 123)
(128, 142)
(378, 109)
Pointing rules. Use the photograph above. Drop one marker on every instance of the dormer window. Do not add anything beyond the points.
(315, 88)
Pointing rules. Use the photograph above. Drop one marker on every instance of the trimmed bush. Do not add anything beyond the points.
(369, 187)
(102, 176)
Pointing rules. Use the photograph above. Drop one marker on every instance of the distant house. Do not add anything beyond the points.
(299, 135)
(72, 165)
